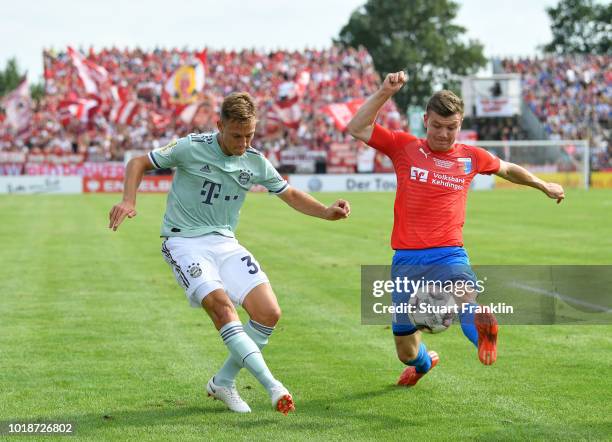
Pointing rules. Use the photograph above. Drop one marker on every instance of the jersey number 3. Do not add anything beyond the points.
(250, 264)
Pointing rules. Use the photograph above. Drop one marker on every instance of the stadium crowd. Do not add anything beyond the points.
(571, 95)
(336, 75)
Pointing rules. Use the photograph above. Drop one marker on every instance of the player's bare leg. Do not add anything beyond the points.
(219, 308)
(242, 348)
(262, 306)
(411, 352)
(407, 347)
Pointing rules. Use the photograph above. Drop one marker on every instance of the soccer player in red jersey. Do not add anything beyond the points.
(433, 178)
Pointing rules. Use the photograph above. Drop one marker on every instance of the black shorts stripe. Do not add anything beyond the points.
(173, 263)
(177, 269)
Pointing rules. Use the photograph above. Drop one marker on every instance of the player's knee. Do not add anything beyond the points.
(269, 317)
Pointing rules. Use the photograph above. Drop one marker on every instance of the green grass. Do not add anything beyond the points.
(95, 331)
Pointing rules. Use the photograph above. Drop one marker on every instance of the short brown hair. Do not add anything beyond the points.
(238, 106)
(445, 103)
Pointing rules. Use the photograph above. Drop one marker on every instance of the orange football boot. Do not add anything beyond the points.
(410, 377)
(285, 404)
(487, 327)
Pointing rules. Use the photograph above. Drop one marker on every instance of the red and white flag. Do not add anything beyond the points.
(288, 108)
(188, 113)
(343, 112)
(95, 78)
(81, 109)
(18, 107)
(290, 116)
(123, 112)
(185, 83)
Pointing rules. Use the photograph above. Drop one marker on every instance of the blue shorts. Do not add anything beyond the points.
(435, 264)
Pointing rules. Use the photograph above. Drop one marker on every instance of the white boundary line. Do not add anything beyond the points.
(568, 299)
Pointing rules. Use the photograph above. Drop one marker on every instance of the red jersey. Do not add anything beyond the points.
(431, 188)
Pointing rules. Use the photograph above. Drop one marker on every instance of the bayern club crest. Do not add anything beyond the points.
(244, 177)
(195, 271)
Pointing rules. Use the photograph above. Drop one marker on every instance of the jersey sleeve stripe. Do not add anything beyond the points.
(152, 158)
(281, 190)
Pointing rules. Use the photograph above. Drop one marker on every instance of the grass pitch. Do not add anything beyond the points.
(95, 331)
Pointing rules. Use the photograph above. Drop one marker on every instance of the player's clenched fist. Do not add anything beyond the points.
(394, 82)
(119, 212)
(339, 210)
(554, 191)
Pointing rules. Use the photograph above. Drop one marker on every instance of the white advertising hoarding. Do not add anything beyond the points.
(367, 182)
(496, 96)
(41, 184)
(371, 182)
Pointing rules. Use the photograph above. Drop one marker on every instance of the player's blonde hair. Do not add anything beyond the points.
(445, 103)
(240, 107)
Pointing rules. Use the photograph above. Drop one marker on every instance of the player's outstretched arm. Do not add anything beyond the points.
(134, 172)
(308, 205)
(362, 124)
(519, 175)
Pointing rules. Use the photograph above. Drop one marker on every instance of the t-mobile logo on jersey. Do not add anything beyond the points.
(209, 191)
(419, 174)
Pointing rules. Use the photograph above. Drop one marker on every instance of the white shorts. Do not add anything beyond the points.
(212, 262)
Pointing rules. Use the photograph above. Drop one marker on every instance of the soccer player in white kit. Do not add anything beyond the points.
(214, 172)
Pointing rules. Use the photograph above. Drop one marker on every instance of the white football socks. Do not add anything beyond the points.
(245, 352)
